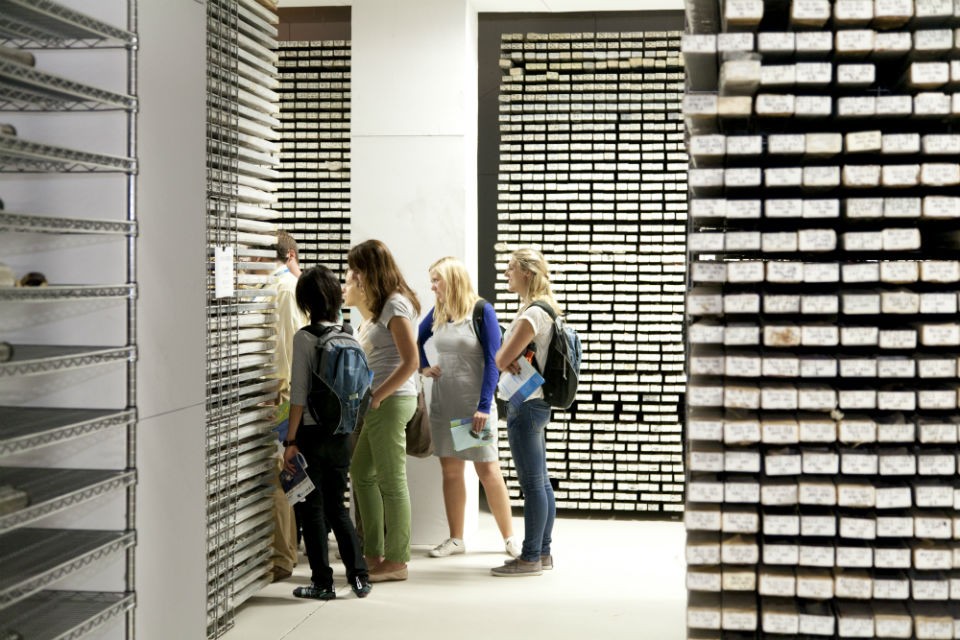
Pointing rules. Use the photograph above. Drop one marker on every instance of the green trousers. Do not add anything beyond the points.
(379, 475)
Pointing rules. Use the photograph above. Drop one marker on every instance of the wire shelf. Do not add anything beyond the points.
(36, 359)
(66, 615)
(27, 89)
(26, 428)
(54, 490)
(24, 223)
(17, 155)
(67, 292)
(41, 23)
(33, 559)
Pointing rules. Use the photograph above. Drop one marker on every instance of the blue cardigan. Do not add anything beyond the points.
(489, 342)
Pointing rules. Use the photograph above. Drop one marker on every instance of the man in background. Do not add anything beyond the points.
(289, 320)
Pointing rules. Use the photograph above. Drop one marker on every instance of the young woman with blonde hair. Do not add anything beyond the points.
(464, 380)
(528, 275)
(379, 467)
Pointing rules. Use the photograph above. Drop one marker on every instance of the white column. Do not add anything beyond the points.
(413, 172)
(171, 561)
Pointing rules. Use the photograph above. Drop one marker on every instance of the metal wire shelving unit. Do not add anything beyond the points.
(37, 556)
(242, 160)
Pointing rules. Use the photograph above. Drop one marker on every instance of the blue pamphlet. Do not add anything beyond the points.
(464, 437)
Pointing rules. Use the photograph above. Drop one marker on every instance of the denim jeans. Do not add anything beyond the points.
(328, 459)
(526, 427)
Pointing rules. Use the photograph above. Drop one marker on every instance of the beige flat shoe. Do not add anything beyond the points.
(387, 576)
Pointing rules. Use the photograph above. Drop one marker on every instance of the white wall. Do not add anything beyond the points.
(413, 173)
(171, 496)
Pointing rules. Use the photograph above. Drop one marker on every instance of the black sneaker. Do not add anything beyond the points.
(315, 593)
(361, 586)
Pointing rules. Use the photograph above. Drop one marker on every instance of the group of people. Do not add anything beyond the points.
(470, 357)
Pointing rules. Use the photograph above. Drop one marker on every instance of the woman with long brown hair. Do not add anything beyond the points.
(379, 468)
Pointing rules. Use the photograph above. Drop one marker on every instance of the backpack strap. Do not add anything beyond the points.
(320, 330)
(546, 307)
(478, 318)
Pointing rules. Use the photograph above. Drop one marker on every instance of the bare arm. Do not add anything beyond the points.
(296, 415)
(514, 347)
(403, 336)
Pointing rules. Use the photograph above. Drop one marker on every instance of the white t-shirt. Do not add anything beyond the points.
(542, 326)
(377, 342)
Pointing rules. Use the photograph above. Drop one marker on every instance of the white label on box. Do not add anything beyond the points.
(891, 589)
(857, 107)
(819, 304)
(856, 495)
(940, 174)
(858, 399)
(941, 144)
(852, 585)
(779, 242)
(714, 272)
(702, 396)
(932, 559)
(742, 240)
(708, 208)
(894, 527)
(773, 104)
(817, 399)
(786, 208)
(820, 144)
(707, 579)
(933, 39)
(821, 177)
(935, 527)
(854, 40)
(739, 579)
(705, 242)
(781, 336)
(863, 241)
(814, 556)
(744, 145)
(786, 144)
(821, 208)
(853, 11)
(821, 462)
(781, 75)
(892, 558)
(859, 464)
(818, 431)
(858, 528)
(898, 464)
(782, 465)
(818, 368)
(709, 145)
(819, 625)
(899, 302)
(698, 43)
(780, 432)
(777, 525)
(902, 207)
(741, 431)
(863, 141)
(933, 496)
(700, 491)
(778, 398)
(926, 589)
(783, 554)
(742, 303)
(895, 432)
(900, 143)
(818, 526)
(861, 304)
(893, 497)
(783, 177)
(864, 207)
(778, 494)
(701, 333)
(857, 557)
(937, 399)
(747, 177)
(740, 522)
(739, 552)
(772, 583)
(743, 209)
(817, 239)
(858, 368)
(896, 105)
(940, 271)
(931, 103)
(859, 336)
(741, 492)
(697, 519)
(933, 8)
(705, 177)
(781, 304)
(784, 272)
(938, 432)
(929, 74)
(856, 74)
(744, 461)
(940, 335)
(703, 554)
(817, 493)
(858, 431)
(740, 335)
(770, 42)
(814, 41)
(896, 400)
(739, 41)
(736, 397)
(745, 271)
(781, 366)
(708, 430)
(901, 239)
(820, 336)
(903, 271)
(813, 106)
(898, 339)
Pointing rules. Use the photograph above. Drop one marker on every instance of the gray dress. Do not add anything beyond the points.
(456, 392)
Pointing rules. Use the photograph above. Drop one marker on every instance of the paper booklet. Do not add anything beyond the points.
(296, 485)
(464, 437)
(517, 387)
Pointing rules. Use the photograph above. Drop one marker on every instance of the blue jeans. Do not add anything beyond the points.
(526, 427)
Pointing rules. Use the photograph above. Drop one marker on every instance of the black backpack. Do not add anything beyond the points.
(340, 384)
(561, 374)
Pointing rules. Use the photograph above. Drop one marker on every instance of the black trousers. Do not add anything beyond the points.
(328, 460)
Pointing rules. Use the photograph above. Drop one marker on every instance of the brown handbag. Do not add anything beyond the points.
(419, 440)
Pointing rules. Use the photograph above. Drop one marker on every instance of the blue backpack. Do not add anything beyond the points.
(561, 374)
(340, 385)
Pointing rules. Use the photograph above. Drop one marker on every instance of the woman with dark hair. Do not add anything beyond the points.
(327, 453)
(390, 311)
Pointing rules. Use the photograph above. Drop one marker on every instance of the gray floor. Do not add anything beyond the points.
(613, 579)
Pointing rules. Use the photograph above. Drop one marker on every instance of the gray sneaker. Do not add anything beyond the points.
(518, 568)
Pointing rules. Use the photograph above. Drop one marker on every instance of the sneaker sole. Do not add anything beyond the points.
(447, 555)
(520, 574)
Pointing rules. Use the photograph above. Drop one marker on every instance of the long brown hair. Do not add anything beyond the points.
(379, 275)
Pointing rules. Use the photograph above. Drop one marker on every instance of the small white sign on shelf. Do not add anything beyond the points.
(223, 272)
